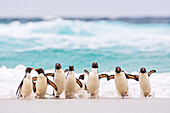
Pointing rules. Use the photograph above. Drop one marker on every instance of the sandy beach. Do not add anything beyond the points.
(85, 105)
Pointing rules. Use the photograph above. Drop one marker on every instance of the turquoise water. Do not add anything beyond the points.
(111, 43)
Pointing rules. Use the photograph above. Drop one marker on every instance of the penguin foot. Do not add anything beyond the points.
(57, 97)
(149, 95)
(69, 96)
(24, 96)
(92, 96)
(36, 96)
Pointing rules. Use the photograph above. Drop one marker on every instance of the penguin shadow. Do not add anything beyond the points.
(93, 96)
(41, 98)
(119, 97)
(31, 97)
(48, 98)
(148, 97)
(70, 97)
(52, 97)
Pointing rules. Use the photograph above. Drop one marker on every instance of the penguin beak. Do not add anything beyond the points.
(36, 69)
(31, 68)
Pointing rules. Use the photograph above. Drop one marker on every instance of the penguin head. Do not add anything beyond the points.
(81, 76)
(94, 65)
(143, 70)
(28, 69)
(71, 68)
(118, 70)
(39, 71)
(57, 66)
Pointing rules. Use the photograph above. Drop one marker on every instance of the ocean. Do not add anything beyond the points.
(130, 43)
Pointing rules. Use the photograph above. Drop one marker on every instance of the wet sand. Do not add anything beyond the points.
(85, 105)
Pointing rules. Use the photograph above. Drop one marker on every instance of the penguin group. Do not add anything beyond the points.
(66, 81)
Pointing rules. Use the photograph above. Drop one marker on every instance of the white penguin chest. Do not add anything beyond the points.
(93, 82)
(27, 86)
(41, 85)
(70, 83)
(59, 79)
(144, 82)
(121, 82)
(27, 83)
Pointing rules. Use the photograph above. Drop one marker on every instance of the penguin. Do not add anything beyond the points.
(41, 84)
(59, 79)
(136, 77)
(130, 76)
(144, 82)
(70, 86)
(121, 82)
(81, 79)
(93, 80)
(26, 86)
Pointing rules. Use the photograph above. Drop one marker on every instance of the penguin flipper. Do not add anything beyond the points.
(34, 78)
(150, 72)
(79, 83)
(65, 71)
(86, 87)
(50, 74)
(53, 93)
(34, 87)
(86, 71)
(19, 87)
(127, 76)
(52, 84)
(103, 75)
(110, 77)
(135, 77)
